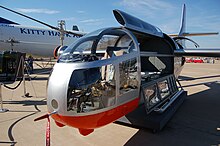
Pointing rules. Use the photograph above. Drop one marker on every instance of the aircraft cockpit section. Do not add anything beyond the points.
(127, 73)
(109, 73)
(104, 73)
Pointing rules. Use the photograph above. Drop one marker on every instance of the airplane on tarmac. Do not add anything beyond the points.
(34, 40)
(112, 72)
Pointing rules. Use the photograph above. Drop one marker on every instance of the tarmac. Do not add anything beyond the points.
(195, 123)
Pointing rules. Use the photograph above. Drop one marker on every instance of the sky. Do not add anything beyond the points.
(89, 15)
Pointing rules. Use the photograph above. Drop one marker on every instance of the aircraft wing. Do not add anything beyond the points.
(203, 52)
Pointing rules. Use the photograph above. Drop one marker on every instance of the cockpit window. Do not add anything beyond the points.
(85, 46)
(91, 89)
(105, 41)
(104, 83)
(96, 44)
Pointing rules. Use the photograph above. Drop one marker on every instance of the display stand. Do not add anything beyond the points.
(2, 110)
(154, 121)
(19, 74)
(26, 94)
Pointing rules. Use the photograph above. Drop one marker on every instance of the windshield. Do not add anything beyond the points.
(85, 37)
(93, 46)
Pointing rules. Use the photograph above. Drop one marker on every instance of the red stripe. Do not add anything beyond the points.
(97, 120)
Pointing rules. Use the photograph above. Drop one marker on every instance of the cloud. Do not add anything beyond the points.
(75, 18)
(207, 23)
(92, 21)
(148, 7)
(81, 12)
(70, 19)
(153, 5)
(42, 11)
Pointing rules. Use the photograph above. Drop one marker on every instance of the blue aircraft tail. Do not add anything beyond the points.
(183, 21)
(183, 33)
(5, 21)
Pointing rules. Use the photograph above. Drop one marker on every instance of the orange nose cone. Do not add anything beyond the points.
(86, 124)
(85, 132)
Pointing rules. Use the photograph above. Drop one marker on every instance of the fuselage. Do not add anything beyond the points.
(104, 74)
(110, 72)
(31, 40)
